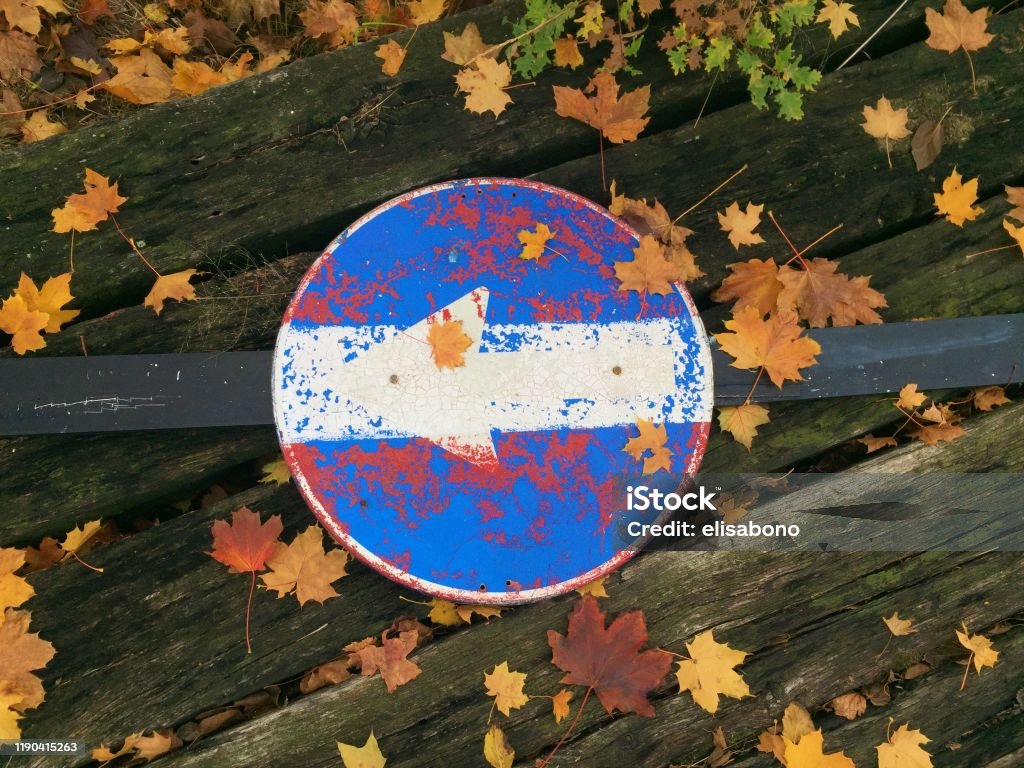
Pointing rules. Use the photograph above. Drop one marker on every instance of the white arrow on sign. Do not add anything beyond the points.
(345, 383)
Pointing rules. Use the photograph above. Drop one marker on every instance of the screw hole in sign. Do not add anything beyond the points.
(508, 463)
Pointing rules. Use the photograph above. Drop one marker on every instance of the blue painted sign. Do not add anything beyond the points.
(455, 415)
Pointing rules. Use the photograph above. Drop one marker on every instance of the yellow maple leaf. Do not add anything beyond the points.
(425, 11)
(21, 652)
(24, 14)
(366, 756)
(910, 398)
(849, 705)
(560, 704)
(392, 55)
(899, 627)
(158, 743)
(483, 83)
(465, 47)
(809, 753)
(83, 211)
(14, 590)
(276, 472)
(903, 750)
(444, 612)
(55, 293)
(1017, 233)
(336, 21)
(174, 286)
(506, 687)
(649, 271)
(957, 28)
(534, 242)
(497, 751)
(709, 672)
(195, 77)
(956, 200)
(567, 53)
(39, 127)
(741, 224)
(651, 438)
(883, 122)
(982, 652)
(1015, 197)
(9, 716)
(594, 588)
(24, 325)
(742, 421)
(79, 537)
(466, 612)
(305, 568)
(774, 344)
(141, 78)
(447, 343)
(838, 15)
(104, 754)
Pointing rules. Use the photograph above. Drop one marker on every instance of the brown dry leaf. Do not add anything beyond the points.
(982, 652)
(18, 55)
(22, 653)
(93, 10)
(392, 55)
(956, 201)
(796, 722)
(55, 293)
(42, 557)
(926, 143)
(903, 749)
(322, 675)
(534, 242)
(24, 325)
(336, 21)
(203, 30)
(104, 754)
(39, 127)
(720, 756)
(425, 11)
(389, 658)
(899, 627)
(987, 398)
(809, 753)
(753, 283)
(497, 751)
(462, 48)
(506, 687)
(938, 433)
(710, 672)
(651, 438)
(14, 116)
(447, 343)
(654, 220)
(957, 28)
(774, 343)
(174, 286)
(304, 567)
(567, 53)
(83, 211)
(819, 294)
(850, 705)
(483, 83)
(160, 743)
(24, 15)
(742, 421)
(741, 224)
(594, 588)
(618, 119)
(910, 398)
(734, 506)
(560, 704)
(873, 443)
(366, 756)
(14, 590)
(916, 669)
(1015, 197)
(649, 271)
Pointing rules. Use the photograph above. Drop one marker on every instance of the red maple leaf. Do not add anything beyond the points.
(610, 660)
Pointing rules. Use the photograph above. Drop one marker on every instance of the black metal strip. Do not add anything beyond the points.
(41, 395)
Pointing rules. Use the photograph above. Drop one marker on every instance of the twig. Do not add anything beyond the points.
(872, 35)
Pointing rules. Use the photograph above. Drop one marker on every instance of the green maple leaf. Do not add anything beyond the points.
(790, 104)
(718, 53)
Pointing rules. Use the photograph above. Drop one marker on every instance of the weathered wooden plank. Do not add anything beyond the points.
(185, 651)
(241, 165)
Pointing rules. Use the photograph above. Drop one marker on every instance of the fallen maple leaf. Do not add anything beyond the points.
(649, 271)
(774, 344)
(1017, 233)
(741, 224)
(465, 47)
(560, 704)
(534, 242)
(957, 28)
(819, 294)
(322, 675)
(104, 754)
(506, 687)
(304, 567)
(609, 660)
(618, 119)
(83, 211)
(910, 398)
(425, 11)
(465, 612)
(142, 78)
(651, 438)
(276, 472)
(899, 627)
(21, 653)
(809, 753)
(742, 421)
(24, 325)
(389, 658)
(838, 15)
(903, 749)
(447, 343)
(1015, 197)
(982, 652)
(93, 10)
(567, 53)
(46, 554)
(159, 743)
(754, 283)
(497, 751)
(336, 21)
(987, 398)
(443, 612)
(595, 588)
(392, 55)
(654, 220)
(174, 286)
(956, 200)
(483, 83)
(709, 672)
(55, 293)
(14, 590)
(850, 705)
(24, 14)
(195, 77)
(18, 54)
(884, 122)
(39, 127)
(9, 717)
(366, 756)
(873, 443)
(933, 434)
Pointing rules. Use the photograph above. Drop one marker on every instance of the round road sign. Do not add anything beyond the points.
(455, 415)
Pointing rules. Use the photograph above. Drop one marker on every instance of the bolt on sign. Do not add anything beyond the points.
(457, 375)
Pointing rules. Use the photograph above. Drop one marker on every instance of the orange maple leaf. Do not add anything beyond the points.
(819, 293)
(956, 201)
(303, 567)
(741, 224)
(649, 271)
(82, 212)
(753, 283)
(447, 343)
(141, 78)
(24, 325)
(484, 82)
(534, 242)
(389, 658)
(773, 344)
(651, 438)
(618, 119)
(55, 293)
(336, 21)
(21, 653)
(654, 220)
(957, 28)
(1015, 197)
(173, 286)
(393, 56)
(585, 650)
